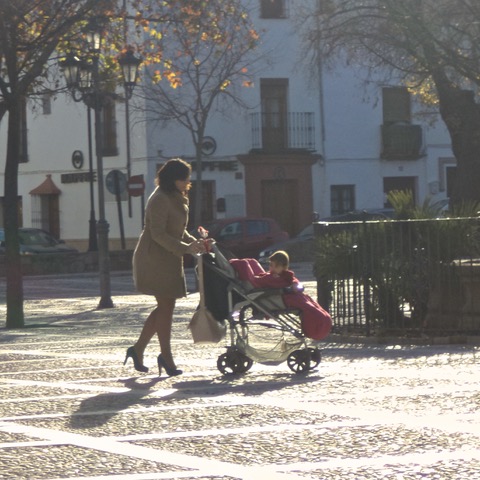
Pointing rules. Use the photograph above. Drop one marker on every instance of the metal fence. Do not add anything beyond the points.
(403, 277)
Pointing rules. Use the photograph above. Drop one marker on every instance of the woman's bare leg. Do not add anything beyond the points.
(164, 328)
(158, 322)
(148, 331)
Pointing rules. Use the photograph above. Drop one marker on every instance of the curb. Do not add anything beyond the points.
(415, 341)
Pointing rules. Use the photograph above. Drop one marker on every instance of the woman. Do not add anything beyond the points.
(158, 260)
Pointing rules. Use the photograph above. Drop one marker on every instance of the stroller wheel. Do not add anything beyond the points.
(234, 361)
(315, 357)
(300, 361)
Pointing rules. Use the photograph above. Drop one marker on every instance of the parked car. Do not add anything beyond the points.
(246, 236)
(300, 247)
(34, 241)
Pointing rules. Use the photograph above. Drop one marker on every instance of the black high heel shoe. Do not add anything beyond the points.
(171, 372)
(131, 353)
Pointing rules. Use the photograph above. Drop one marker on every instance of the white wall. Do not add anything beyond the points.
(51, 141)
(352, 112)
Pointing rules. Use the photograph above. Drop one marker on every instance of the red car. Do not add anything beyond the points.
(245, 236)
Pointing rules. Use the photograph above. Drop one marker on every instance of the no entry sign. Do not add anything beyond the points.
(136, 186)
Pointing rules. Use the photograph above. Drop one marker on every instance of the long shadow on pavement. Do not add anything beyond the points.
(237, 384)
(98, 410)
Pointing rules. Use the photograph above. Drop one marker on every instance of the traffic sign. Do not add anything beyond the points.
(116, 182)
(136, 185)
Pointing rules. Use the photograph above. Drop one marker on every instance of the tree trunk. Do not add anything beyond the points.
(462, 117)
(15, 315)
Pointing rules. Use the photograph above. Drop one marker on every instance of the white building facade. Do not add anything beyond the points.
(326, 145)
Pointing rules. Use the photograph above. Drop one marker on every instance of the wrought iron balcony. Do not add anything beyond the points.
(280, 132)
(402, 141)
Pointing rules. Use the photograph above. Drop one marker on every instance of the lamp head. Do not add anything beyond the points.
(129, 63)
(94, 32)
(70, 66)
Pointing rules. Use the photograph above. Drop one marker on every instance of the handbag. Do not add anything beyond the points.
(204, 327)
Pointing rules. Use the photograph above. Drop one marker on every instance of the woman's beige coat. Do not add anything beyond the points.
(158, 256)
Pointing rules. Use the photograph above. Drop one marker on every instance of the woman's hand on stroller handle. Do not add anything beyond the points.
(209, 243)
(200, 246)
(197, 247)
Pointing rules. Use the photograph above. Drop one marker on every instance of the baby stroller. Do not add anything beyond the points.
(261, 328)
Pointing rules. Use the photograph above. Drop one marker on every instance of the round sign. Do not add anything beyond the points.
(136, 185)
(77, 159)
(116, 180)
(209, 145)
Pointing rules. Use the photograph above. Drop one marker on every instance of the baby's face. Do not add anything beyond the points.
(276, 268)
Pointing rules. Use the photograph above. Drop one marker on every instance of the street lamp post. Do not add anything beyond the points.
(129, 64)
(92, 222)
(83, 80)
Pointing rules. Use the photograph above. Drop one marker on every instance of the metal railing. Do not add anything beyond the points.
(402, 142)
(403, 277)
(277, 132)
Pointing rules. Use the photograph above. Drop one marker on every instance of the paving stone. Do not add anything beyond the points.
(6, 437)
(70, 409)
(119, 422)
(453, 470)
(315, 445)
(65, 461)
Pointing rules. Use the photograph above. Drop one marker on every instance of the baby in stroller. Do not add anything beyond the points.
(315, 321)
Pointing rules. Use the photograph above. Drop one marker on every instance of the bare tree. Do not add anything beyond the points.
(433, 45)
(30, 32)
(206, 50)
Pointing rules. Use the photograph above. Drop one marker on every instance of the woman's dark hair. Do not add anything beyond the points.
(175, 169)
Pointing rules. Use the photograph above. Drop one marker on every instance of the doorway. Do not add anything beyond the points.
(451, 179)
(280, 201)
(399, 183)
(208, 202)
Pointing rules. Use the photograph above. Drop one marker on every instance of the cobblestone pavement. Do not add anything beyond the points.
(70, 409)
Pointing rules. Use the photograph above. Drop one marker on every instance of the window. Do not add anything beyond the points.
(256, 227)
(342, 199)
(110, 147)
(46, 213)
(47, 104)
(396, 105)
(231, 230)
(401, 140)
(273, 9)
(274, 98)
